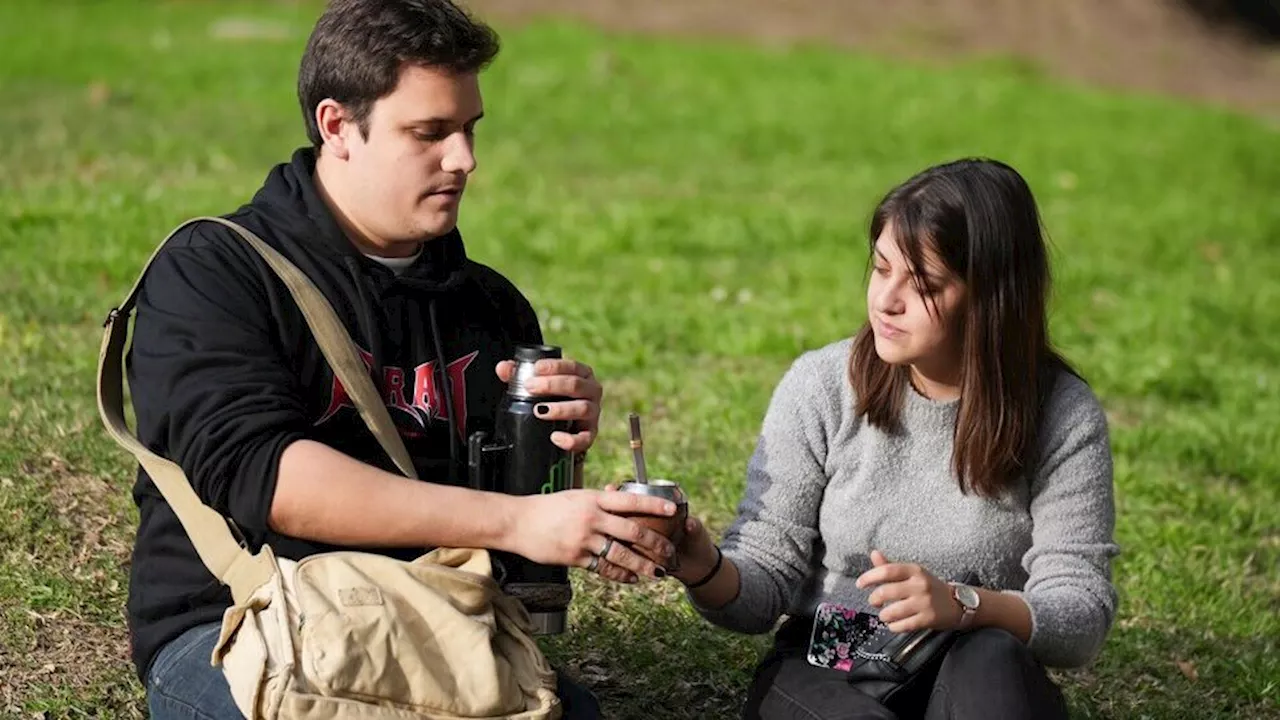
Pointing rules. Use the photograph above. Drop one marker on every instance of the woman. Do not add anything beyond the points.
(946, 438)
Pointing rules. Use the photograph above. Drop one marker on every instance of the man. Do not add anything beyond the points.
(228, 381)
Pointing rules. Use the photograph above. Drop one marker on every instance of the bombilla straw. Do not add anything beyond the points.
(637, 450)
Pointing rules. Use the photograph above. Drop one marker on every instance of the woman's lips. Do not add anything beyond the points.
(888, 331)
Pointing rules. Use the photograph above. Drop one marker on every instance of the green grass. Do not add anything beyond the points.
(688, 218)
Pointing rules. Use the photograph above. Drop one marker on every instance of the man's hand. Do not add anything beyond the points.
(571, 527)
(919, 600)
(564, 378)
(695, 551)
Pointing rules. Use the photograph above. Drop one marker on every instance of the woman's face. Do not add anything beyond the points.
(916, 324)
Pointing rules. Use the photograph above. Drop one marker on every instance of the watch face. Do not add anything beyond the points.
(967, 596)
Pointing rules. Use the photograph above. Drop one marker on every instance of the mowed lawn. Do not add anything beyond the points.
(688, 218)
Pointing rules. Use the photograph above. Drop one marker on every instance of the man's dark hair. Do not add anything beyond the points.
(358, 48)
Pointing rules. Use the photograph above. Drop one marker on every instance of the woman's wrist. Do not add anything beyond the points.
(695, 574)
(1007, 611)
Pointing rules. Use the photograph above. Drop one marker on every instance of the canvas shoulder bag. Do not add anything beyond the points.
(346, 634)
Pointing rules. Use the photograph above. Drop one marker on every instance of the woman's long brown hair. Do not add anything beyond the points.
(979, 217)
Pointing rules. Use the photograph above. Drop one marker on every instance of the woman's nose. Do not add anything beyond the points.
(888, 298)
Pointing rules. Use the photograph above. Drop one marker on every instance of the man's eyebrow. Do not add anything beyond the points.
(444, 120)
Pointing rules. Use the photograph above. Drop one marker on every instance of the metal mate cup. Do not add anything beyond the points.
(670, 527)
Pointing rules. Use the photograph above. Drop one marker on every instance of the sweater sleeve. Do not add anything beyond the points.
(210, 384)
(1069, 588)
(772, 539)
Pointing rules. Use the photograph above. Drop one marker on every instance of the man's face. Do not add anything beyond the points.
(405, 181)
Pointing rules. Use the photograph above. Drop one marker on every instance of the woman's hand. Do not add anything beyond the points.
(696, 554)
(917, 600)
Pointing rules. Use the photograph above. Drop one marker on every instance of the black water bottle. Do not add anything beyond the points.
(520, 459)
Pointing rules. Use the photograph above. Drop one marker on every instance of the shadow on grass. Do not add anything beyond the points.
(647, 654)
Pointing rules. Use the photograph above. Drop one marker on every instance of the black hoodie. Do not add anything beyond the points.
(224, 375)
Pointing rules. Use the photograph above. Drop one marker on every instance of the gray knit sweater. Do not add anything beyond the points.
(824, 488)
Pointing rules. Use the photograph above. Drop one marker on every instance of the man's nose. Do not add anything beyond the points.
(459, 155)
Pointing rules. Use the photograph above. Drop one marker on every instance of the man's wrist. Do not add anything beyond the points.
(506, 519)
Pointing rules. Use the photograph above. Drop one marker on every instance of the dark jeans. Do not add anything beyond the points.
(987, 674)
(182, 685)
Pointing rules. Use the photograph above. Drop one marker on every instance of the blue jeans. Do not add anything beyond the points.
(182, 685)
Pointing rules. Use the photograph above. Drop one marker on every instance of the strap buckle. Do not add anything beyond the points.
(112, 316)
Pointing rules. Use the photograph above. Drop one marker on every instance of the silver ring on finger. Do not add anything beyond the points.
(605, 548)
(593, 564)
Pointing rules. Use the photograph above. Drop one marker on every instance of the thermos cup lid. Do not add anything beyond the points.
(534, 353)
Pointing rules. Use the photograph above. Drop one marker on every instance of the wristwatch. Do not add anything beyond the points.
(968, 598)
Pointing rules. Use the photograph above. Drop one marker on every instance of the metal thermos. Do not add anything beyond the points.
(520, 459)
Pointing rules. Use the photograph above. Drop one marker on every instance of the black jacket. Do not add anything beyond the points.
(225, 374)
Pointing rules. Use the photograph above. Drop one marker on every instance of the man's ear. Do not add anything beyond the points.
(335, 128)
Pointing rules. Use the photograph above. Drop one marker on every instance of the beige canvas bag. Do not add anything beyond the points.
(346, 634)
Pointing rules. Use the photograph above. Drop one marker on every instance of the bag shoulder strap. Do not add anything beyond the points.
(218, 549)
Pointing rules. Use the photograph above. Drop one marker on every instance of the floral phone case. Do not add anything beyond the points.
(838, 632)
